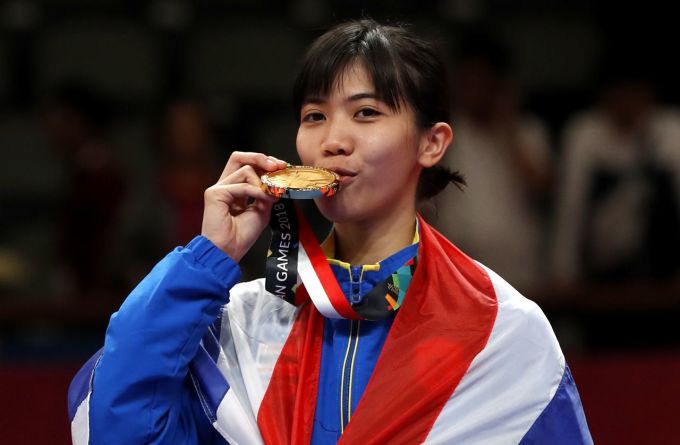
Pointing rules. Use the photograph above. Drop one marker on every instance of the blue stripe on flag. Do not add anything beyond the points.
(562, 422)
(82, 384)
(209, 382)
(211, 344)
(216, 326)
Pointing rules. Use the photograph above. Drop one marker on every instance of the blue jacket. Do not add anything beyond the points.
(146, 385)
(140, 390)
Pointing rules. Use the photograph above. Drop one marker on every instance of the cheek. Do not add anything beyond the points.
(392, 153)
(301, 147)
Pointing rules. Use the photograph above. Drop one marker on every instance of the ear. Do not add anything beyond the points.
(433, 144)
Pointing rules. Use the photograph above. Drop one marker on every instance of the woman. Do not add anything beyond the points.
(193, 357)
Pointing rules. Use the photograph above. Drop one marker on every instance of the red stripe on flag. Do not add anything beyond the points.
(286, 414)
(323, 270)
(445, 321)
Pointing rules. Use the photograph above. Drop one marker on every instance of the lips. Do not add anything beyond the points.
(342, 171)
(346, 175)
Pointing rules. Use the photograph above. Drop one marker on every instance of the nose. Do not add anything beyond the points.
(338, 139)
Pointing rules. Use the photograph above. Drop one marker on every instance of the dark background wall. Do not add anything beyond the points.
(236, 61)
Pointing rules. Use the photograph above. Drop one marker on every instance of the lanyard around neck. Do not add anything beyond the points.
(295, 257)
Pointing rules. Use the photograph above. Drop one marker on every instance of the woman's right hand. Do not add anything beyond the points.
(236, 209)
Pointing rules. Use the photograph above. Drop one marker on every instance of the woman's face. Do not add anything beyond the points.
(373, 148)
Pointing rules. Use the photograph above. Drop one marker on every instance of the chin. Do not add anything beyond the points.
(338, 210)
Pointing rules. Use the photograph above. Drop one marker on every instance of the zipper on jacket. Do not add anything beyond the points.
(355, 276)
(348, 373)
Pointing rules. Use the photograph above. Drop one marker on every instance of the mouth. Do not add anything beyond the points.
(346, 175)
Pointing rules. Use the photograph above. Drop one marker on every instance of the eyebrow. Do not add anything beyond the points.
(352, 98)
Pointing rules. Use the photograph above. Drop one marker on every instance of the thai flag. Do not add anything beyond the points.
(468, 360)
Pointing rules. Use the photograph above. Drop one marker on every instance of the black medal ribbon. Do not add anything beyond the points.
(281, 267)
(281, 270)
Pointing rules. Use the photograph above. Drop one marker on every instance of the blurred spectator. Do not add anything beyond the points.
(76, 120)
(505, 157)
(14, 269)
(617, 214)
(189, 165)
(170, 212)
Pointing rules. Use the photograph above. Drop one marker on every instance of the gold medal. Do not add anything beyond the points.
(301, 182)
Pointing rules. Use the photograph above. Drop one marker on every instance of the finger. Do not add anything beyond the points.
(259, 161)
(230, 193)
(245, 174)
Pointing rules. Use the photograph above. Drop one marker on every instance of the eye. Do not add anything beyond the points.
(313, 117)
(367, 113)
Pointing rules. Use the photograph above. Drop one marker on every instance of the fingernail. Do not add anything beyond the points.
(272, 160)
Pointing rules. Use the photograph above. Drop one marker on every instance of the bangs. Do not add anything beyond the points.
(328, 60)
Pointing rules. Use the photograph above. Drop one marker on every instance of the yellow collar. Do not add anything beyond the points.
(328, 248)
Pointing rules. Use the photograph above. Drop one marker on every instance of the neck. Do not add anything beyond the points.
(370, 242)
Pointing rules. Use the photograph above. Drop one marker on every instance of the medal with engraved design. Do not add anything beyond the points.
(301, 182)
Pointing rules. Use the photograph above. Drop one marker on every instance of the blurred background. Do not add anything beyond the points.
(116, 115)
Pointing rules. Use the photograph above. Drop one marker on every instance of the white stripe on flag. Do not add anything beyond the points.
(80, 425)
(509, 383)
(255, 328)
(313, 285)
(234, 424)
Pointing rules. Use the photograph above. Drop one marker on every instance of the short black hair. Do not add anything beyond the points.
(403, 68)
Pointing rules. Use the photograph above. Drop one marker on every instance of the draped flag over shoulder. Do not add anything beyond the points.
(468, 360)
